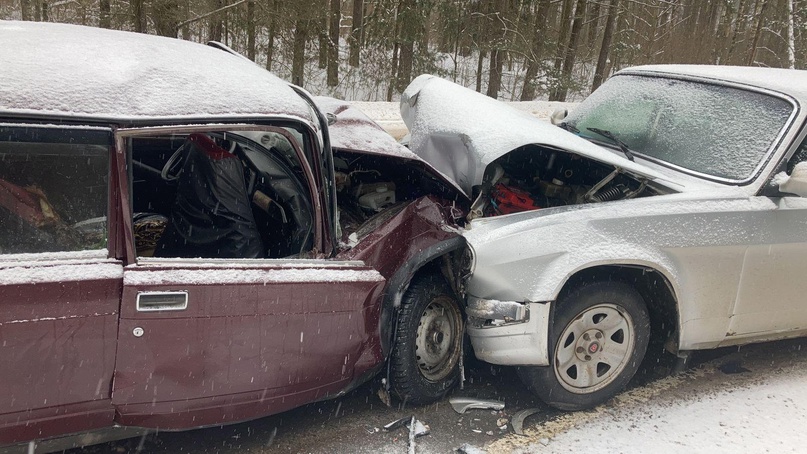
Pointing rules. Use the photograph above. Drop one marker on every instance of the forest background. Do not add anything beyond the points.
(513, 50)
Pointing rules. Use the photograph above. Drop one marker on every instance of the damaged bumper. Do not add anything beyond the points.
(509, 332)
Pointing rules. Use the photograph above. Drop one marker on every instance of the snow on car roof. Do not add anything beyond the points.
(75, 71)
(460, 131)
(788, 81)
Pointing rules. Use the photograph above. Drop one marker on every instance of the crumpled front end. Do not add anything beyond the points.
(509, 332)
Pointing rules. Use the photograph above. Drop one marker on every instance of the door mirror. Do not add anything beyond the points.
(796, 183)
(557, 116)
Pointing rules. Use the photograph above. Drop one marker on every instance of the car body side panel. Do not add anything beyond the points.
(57, 347)
(772, 289)
(251, 341)
(698, 245)
(420, 226)
(422, 223)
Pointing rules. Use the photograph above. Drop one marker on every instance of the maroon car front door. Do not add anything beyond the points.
(203, 343)
(213, 340)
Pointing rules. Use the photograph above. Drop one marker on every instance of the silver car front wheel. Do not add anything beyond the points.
(597, 341)
(594, 348)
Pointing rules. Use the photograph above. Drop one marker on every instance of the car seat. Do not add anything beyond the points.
(211, 216)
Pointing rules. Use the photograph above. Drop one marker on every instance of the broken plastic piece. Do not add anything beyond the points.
(517, 421)
(463, 404)
(397, 423)
(421, 429)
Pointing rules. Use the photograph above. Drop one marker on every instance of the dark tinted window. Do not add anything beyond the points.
(53, 189)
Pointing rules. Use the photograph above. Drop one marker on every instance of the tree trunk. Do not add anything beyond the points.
(270, 40)
(735, 33)
(215, 25)
(607, 35)
(479, 65)
(251, 30)
(791, 41)
(103, 14)
(333, 43)
(322, 33)
(497, 57)
(564, 31)
(568, 61)
(393, 80)
(165, 17)
(44, 10)
(407, 51)
(25, 10)
(356, 32)
(408, 26)
(752, 55)
(139, 16)
(298, 52)
(536, 54)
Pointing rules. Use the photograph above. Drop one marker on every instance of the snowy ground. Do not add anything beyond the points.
(753, 401)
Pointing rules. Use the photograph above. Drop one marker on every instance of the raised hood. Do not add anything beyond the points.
(460, 132)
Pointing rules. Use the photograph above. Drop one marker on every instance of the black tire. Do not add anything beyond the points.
(428, 341)
(591, 360)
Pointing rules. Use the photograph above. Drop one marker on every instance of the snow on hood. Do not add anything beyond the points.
(70, 70)
(460, 131)
(355, 131)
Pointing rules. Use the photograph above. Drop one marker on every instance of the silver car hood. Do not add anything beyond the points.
(460, 132)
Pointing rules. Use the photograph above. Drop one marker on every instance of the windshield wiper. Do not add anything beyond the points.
(568, 127)
(612, 137)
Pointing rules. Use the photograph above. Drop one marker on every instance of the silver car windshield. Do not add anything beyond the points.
(715, 130)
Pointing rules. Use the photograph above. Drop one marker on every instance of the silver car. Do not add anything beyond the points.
(668, 204)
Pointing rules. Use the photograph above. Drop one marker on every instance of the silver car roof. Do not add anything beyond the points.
(787, 81)
(73, 71)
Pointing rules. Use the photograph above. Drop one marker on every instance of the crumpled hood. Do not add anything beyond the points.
(460, 132)
(354, 131)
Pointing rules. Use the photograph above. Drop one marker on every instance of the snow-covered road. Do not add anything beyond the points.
(753, 401)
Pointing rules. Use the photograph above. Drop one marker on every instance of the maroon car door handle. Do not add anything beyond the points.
(162, 301)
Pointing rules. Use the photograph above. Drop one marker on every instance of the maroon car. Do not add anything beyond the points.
(186, 240)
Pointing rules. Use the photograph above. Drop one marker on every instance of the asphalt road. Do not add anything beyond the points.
(353, 423)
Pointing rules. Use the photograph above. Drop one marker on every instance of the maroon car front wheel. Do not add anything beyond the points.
(428, 342)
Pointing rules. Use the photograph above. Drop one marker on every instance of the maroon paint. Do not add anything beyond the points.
(234, 354)
(57, 344)
(235, 346)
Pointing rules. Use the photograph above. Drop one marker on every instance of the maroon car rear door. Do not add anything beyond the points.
(59, 288)
(205, 341)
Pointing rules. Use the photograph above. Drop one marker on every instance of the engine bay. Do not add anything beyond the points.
(534, 177)
(373, 188)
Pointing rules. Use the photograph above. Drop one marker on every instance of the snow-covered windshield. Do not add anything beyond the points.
(715, 130)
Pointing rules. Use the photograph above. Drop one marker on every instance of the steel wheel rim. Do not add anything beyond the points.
(594, 348)
(437, 343)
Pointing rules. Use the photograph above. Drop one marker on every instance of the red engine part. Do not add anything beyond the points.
(507, 199)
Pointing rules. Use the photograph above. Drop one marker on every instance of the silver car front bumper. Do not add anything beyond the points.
(509, 332)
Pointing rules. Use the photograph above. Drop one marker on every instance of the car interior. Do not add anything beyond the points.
(220, 195)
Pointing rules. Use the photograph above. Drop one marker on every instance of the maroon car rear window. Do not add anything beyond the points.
(53, 190)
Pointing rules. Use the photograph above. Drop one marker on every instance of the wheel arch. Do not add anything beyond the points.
(655, 287)
(435, 257)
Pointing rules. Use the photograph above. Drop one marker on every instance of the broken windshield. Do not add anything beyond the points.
(719, 131)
